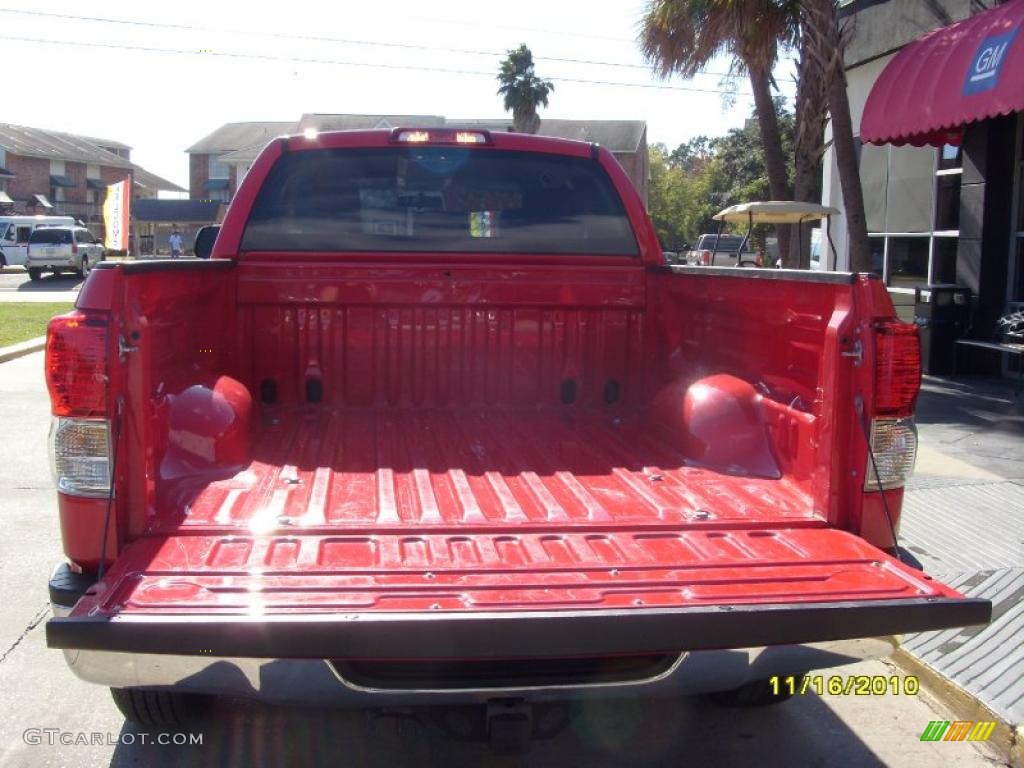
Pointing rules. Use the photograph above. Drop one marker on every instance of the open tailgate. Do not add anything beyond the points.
(502, 595)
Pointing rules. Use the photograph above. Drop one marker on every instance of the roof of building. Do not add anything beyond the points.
(56, 145)
(344, 122)
(150, 180)
(177, 211)
(106, 143)
(615, 135)
(232, 136)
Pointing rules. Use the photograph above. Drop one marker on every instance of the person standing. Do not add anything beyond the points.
(175, 242)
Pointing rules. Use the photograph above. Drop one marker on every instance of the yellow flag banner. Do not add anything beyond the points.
(115, 216)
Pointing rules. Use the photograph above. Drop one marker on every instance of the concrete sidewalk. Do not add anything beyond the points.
(963, 518)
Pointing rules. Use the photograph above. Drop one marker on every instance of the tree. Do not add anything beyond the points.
(808, 145)
(522, 89)
(678, 198)
(825, 45)
(690, 184)
(684, 36)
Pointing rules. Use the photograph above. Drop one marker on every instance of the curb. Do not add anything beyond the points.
(1006, 740)
(23, 348)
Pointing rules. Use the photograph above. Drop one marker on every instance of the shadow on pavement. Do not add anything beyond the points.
(629, 732)
(975, 401)
(50, 283)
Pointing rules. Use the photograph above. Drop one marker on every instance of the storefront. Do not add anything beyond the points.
(942, 157)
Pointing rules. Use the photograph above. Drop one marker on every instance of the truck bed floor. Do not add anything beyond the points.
(472, 469)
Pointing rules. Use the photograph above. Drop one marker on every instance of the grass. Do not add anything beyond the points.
(20, 321)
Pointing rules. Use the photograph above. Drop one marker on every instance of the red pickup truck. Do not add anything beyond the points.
(436, 423)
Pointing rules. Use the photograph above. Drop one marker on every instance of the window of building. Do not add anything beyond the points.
(56, 167)
(219, 170)
(908, 201)
(1017, 291)
(92, 171)
(912, 204)
(877, 255)
(908, 261)
(944, 259)
(57, 194)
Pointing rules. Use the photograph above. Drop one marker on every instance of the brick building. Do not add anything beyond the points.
(50, 172)
(218, 162)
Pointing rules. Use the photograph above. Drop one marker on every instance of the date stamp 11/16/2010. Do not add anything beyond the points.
(845, 685)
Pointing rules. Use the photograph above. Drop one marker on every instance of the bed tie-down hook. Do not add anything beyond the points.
(856, 352)
(123, 347)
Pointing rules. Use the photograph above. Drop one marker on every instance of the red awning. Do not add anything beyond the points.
(968, 71)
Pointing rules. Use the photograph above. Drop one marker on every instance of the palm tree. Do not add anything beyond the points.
(808, 145)
(522, 89)
(684, 36)
(825, 44)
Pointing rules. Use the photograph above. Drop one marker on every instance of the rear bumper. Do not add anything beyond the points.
(57, 262)
(510, 634)
(316, 682)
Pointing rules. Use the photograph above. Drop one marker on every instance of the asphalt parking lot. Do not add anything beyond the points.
(15, 286)
(37, 691)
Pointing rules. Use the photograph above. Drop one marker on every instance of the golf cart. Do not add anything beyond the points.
(775, 212)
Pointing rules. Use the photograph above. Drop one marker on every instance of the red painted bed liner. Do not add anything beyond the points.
(475, 470)
(349, 529)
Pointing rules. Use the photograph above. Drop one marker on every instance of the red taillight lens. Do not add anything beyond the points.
(897, 367)
(74, 247)
(76, 364)
(705, 257)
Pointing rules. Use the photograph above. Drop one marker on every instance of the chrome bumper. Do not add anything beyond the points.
(316, 682)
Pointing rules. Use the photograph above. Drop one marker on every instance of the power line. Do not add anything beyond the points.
(347, 41)
(338, 62)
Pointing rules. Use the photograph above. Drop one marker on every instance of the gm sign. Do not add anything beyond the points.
(987, 64)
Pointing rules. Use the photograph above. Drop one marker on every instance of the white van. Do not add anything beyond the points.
(16, 230)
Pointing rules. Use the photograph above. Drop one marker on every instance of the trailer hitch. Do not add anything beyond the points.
(509, 726)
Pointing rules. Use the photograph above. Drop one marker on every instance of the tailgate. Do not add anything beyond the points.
(502, 595)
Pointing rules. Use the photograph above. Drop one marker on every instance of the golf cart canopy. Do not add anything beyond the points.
(776, 212)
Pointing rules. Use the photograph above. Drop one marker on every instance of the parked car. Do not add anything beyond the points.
(62, 249)
(434, 423)
(15, 232)
(720, 251)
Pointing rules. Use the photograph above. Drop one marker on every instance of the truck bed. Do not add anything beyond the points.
(471, 470)
(490, 534)
(475, 534)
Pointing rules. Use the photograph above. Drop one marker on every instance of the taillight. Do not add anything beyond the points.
(893, 434)
(76, 376)
(74, 247)
(897, 367)
(76, 365)
(705, 258)
(80, 451)
(894, 447)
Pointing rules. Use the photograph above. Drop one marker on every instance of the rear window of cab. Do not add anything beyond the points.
(438, 199)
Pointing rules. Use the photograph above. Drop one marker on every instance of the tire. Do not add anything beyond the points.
(161, 709)
(758, 693)
(35, 274)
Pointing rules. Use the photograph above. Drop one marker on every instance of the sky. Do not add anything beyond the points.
(227, 62)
